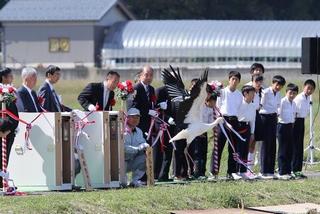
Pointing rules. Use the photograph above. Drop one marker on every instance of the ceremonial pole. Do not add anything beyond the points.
(4, 148)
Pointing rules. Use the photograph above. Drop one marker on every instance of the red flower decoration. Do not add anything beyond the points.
(112, 102)
(129, 83)
(41, 100)
(120, 86)
(97, 106)
(1, 90)
(11, 90)
(130, 89)
(153, 98)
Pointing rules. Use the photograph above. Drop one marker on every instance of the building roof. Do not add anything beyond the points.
(208, 38)
(56, 10)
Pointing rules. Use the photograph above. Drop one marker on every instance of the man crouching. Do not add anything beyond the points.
(135, 146)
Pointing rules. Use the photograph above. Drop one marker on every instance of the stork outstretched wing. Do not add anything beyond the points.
(174, 83)
(191, 102)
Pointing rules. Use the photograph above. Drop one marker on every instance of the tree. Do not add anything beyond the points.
(226, 9)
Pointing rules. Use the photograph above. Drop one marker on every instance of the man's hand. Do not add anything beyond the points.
(171, 121)
(91, 108)
(153, 113)
(143, 146)
(163, 105)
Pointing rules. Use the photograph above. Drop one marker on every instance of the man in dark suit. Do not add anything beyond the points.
(51, 101)
(163, 149)
(145, 98)
(27, 100)
(100, 96)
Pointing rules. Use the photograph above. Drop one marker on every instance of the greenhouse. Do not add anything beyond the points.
(199, 43)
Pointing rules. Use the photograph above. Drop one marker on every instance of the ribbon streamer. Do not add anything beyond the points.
(235, 154)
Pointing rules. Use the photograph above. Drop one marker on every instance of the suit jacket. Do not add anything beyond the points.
(144, 104)
(25, 103)
(49, 100)
(93, 94)
(163, 96)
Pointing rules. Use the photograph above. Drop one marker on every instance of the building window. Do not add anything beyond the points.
(59, 45)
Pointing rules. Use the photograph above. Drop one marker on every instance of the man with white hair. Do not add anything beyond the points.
(27, 98)
(135, 145)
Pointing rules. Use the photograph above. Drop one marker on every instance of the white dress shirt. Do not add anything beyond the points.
(229, 102)
(257, 98)
(146, 87)
(247, 113)
(270, 101)
(286, 111)
(302, 105)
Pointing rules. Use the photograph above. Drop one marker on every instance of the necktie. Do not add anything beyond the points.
(56, 99)
(147, 92)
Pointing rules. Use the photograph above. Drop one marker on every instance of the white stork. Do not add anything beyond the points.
(191, 104)
(189, 111)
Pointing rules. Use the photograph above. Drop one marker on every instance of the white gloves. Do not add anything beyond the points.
(153, 113)
(91, 107)
(171, 121)
(163, 105)
(143, 146)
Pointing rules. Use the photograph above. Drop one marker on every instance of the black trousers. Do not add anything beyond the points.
(222, 141)
(180, 161)
(243, 146)
(162, 155)
(10, 139)
(268, 147)
(258, 130)
(198, 151)
(285, 138)
(297, 145)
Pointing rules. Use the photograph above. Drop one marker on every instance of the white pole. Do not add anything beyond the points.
(311, 132)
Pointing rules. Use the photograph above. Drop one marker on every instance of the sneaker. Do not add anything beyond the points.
(284, 177)
(248, 176)
(233, 176)
(138, 183)
(179, 179)
(10, 191)
(212, 177)
(165, 180)
(202, 178)
(266, 176)
(299, 175)
(76, 188)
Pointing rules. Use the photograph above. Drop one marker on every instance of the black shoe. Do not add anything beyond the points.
(76, 188)
(165, 180)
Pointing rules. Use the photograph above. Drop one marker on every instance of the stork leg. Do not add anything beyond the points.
(187, 155)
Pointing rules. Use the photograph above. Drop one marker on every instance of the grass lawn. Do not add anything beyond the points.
(165, 198)
(161, 199)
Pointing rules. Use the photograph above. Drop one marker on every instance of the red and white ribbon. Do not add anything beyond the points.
(80, 123)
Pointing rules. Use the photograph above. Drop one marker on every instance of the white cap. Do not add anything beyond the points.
(133, 111)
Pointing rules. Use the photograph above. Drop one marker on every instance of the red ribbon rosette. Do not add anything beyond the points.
(153, 98)
(112, 102)
(41, 100)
